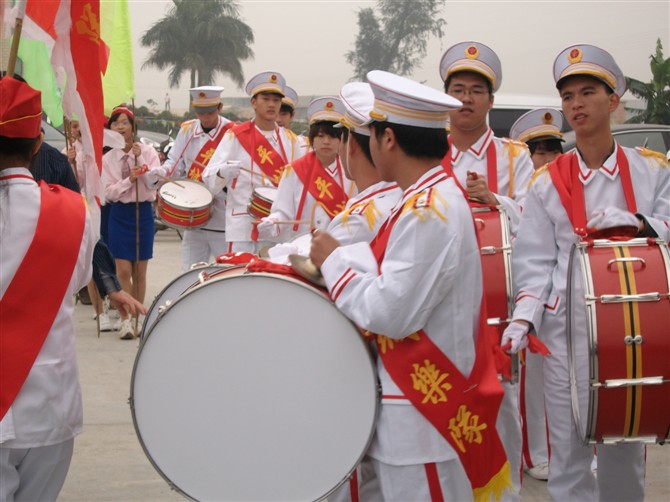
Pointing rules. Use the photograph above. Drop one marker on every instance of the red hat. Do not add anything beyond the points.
(20, 109)
(118, 110)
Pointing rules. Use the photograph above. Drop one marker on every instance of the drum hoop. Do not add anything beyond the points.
(317, 293)
(161, 199)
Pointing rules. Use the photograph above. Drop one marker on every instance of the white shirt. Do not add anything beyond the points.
(48, 408)
(430, 279)
(507, 151)
(238, 221)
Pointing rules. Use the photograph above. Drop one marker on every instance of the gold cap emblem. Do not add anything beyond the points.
(575, 55)
(472, 52)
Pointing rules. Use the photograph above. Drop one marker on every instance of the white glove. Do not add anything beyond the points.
(268, 229)
(279, 253)
(230, 169)
(516, 334)
(610, 217)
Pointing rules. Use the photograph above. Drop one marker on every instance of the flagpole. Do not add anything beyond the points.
(16, 37)
(136, 263)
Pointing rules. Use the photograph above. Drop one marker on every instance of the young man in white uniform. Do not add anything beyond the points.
(418, 284)
(40, 396)
(252, 154)
(192, 150)
(590, 85)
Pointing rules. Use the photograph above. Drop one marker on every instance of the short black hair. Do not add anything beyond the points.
(489, 85)
(326, 127)
(285, 108)
(362, 140)
(562, 81)
(548, 144)
(419, 142)
(18, 150)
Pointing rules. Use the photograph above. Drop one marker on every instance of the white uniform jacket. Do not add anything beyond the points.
(238, 221)
(289, 193)
(48, 408)
(190, 140)
(430, 278)
(545, 239)
(365, 213)
(507, 150)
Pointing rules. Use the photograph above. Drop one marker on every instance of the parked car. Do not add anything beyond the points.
(652, 136)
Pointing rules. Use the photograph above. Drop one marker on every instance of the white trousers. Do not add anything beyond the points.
(200, 245)
(534, 419)
(34, 474)
(508, 426)
(407, 483)
(620, 467)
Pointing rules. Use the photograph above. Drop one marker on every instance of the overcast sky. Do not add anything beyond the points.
(306, 40)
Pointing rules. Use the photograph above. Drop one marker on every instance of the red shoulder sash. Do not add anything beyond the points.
(206, 152)
(261, 151)
(26, 319)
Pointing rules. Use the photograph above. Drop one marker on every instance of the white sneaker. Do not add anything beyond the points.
(105, 323)
(540, 472)
(126, 331)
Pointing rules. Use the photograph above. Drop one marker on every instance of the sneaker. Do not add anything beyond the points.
(126, 330)
(84, 297)
(540, 472)
(140, 323)
(105, 322)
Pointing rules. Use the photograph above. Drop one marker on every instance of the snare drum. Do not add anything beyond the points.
(185, 206)
(253, 386)
(492, 226)
(261, 201)
(174, 290)
(626, 286)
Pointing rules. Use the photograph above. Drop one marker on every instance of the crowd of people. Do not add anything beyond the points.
(385, 183)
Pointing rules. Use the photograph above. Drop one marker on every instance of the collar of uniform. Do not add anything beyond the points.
(213, 132)
(332, 168)
(477, 150)
(13, 173)
(275, 133)
(429, 178)
(609, 169)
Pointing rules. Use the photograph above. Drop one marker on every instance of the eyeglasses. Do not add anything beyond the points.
(475, 92)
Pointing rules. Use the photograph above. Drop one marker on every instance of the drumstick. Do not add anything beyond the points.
(168, 180)
(241, 169)
(287, 222)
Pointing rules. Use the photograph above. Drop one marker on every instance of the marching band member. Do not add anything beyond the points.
(193, 148)
(314, 188)
(40, 396)
(252, 154)
(286, 114)
(597, 186)
(492, 171)
(540, 129)
(366, 211)
(417, 289)
(131, 216)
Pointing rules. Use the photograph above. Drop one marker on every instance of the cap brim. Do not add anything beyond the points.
(205, 109)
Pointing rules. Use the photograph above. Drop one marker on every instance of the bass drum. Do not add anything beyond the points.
(174, 290)
(253, 386)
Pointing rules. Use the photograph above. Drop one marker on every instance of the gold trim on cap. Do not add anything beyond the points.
(475, 65)
(539, 131)
(3, 122)
(586, 68)
(432, 116)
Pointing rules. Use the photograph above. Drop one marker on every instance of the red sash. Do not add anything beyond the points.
(261, 151)
(464, 410)
(320, 184)
(206, 152)
(25, 318)
(565, 172)
(491, 167)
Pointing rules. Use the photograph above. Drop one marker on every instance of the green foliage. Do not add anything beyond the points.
(656, 93)
(201, 38)
(395, 36)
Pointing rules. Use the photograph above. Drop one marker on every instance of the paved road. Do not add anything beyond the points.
(109, 464)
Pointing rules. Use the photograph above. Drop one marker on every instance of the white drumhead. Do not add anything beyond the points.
(254, 387)
(173, 291)
(267, 192)
(303, 243)
(190, 195)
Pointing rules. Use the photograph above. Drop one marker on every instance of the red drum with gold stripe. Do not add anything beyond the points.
(261, 201)
(626, 286)
(492, 226)
(184, 204)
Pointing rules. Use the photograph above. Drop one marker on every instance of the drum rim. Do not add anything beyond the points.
(323, 297)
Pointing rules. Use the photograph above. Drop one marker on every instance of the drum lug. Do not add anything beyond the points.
(630, 340)
(635, 439)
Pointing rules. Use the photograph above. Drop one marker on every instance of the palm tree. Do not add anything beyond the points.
(201, 37)
(656, 93)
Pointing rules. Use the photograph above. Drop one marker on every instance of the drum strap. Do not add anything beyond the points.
(325, 189)
(462, 409)
(26, 319)
(206, 152)
(491, 167)
(260, 150)
(564, 172)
